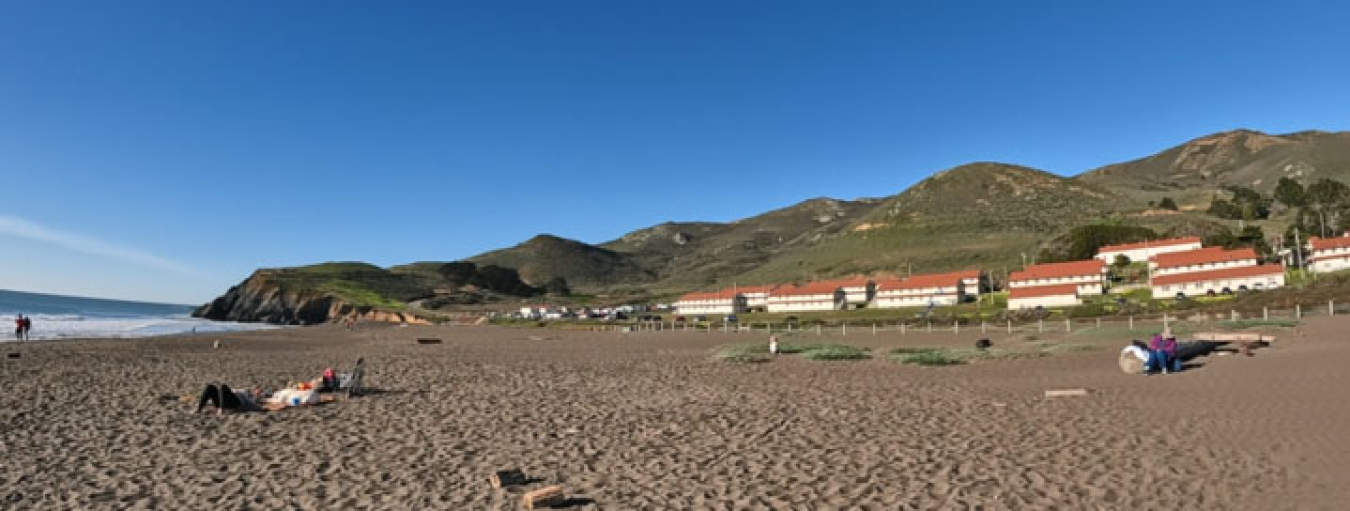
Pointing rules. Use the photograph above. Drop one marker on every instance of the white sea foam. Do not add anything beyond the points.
(73, 326)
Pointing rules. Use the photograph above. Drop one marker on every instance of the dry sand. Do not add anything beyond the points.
(648, 421)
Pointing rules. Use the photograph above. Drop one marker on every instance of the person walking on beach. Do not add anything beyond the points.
(18, 328)
(27, 325)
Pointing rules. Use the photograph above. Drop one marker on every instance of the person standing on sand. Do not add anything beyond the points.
(18, 328)
(773, 345)
(27, 325)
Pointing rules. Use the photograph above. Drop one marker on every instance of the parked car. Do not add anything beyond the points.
(730, 318)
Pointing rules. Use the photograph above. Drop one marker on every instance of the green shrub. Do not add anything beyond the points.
(835, 352)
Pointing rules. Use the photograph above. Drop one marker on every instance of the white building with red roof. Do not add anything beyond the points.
(726, 301)
(815, 296)
(1253, 277)
(1145, 250)
(1062, 295)
(756, 297)
(923, 290)
(858, 291)
(1328, 254)
(1083, 278)
(1205, 259)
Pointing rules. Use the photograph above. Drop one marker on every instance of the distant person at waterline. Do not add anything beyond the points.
(27, 325)
(18, 327)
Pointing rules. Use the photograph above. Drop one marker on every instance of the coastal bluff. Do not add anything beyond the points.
(278, 297)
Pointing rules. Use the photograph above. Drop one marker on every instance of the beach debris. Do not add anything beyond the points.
(1066, 393)
(540, 338)
(547, 496)
(503, 478)
(13, 355)
(984, 344)
(215, 345)
(428, 340)
(571, 431)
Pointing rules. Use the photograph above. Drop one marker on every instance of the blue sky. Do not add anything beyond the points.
(164, 150)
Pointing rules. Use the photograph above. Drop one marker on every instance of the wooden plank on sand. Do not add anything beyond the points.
(1066, 393)
(546, 496)
(428, 340)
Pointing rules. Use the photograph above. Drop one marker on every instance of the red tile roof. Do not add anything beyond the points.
(811, 288)
(1328, 243)
(1053, 270)
(1226, 273)
(927, 281)
(1038, 291)
(1203, 256)
(1149, 244)
(755, 289)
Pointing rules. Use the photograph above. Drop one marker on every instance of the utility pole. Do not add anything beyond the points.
(1298, 249)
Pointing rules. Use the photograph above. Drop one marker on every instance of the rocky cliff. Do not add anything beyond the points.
(266, 297)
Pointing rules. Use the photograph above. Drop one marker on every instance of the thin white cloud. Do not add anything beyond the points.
(21, 228)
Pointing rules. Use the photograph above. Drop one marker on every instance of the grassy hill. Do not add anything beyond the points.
(584, 266)
(1192, 172)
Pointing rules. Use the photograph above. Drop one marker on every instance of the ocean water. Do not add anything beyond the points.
(68, 317)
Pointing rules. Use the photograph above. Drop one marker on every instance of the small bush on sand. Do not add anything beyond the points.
(928, 356)
(749, 352)
(835, 352)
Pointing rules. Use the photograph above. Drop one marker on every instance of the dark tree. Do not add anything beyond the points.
(1290, 193)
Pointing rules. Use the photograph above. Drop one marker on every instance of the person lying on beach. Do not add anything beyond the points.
(223, 398)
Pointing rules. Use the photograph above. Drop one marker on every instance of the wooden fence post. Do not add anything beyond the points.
(1131, 323)
(1010, 327)
(874, 329)
(1298, 311)
(902, 328)
(844, 329)
(1099, 322)
(930, 327)
(1331, 307)
(984, 326)
(1068, 325)
(1265, 313)
(956, 327)
(1040, 325)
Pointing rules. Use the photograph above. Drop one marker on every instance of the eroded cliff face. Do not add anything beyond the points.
(260, 299)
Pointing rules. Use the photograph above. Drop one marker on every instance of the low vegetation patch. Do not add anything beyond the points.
(749, 352)
(759, 351)
(929, 356)
(835, 352)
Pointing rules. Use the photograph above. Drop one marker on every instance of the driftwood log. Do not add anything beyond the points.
(1245, 340)
(504, 478)
(428, 340)
(547, 496)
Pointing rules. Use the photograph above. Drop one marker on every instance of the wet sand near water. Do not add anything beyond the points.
(650, 421)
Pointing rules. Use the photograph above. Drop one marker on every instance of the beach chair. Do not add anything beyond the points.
(350, 383)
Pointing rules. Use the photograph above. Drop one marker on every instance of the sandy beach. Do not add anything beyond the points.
(650, 421)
